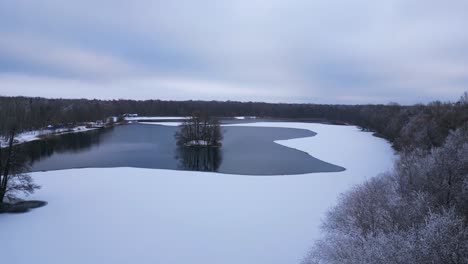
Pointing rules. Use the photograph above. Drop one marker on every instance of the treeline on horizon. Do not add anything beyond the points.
(405, 126)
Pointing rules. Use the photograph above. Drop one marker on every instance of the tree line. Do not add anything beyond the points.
(405, 126)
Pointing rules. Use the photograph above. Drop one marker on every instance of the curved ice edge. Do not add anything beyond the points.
(282, 142)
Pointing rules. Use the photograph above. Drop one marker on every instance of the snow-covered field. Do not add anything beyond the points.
(129, 215)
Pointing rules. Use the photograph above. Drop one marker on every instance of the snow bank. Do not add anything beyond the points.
(155, 118)
(176, 118)
(128, 215)
(37, 134)
(244, 117)
(162, 123)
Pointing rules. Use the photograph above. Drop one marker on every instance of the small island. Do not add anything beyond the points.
(200, 130)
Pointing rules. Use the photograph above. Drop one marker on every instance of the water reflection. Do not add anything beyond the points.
(245, 150)
(199, 158)
(72, 142)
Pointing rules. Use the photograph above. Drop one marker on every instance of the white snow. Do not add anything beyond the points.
(197, 143)
(176, 118)
(155, 118)
(129, 215)
(244, 117)
(162, 123)
(37, 134)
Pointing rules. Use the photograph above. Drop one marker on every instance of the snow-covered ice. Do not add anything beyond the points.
(162, 123)
(155, 118)
(244, 117)
(176, 117)
(129, 215)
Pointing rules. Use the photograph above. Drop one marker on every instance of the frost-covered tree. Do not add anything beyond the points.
(417, 213)
(441, 238)
(441, 172)
(464, 99)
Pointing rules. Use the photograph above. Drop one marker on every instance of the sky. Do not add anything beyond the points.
(297, 51)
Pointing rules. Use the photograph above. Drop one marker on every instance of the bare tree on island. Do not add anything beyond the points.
(199, 130)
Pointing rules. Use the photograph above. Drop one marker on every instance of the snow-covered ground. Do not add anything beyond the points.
(197, 143)
(129, 215)
(37, 134)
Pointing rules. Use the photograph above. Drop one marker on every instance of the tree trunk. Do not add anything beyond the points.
(6, 169)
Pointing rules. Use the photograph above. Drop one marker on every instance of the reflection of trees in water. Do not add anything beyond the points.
(199, 158)
(72, 142)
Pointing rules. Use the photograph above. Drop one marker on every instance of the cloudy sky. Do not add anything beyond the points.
(323, 51)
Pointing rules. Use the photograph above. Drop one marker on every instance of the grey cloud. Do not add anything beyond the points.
(315, 51)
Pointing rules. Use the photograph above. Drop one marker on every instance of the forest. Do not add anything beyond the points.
(415, 213)
(407, 127)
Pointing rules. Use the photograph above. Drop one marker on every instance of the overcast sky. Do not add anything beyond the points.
(322, 51)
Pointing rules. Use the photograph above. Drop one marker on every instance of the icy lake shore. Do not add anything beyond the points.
(39, 134)
(129, 215)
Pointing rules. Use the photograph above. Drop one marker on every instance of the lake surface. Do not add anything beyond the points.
(245, 150)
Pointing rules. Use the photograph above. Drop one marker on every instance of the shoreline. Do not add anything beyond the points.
(36, 135)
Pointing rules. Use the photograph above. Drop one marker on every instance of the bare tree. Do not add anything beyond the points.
(13, 171)
(199, 130)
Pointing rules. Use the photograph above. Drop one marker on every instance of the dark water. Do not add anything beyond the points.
(245, 150)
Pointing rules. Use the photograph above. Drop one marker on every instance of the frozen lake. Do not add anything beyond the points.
(134, 215)
(246, 150)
